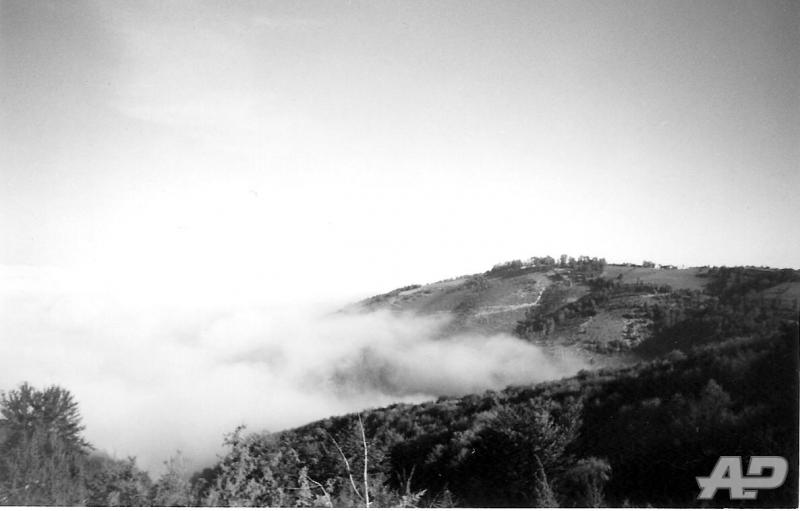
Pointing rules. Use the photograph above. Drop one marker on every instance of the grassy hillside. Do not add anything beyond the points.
(479, 303)
(689, 278)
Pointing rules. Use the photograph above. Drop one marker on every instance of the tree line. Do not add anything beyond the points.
(583, 266)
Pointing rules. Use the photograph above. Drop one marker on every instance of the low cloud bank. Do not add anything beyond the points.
(154, 379)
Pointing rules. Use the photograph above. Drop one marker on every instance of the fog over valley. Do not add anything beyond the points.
(153, 379)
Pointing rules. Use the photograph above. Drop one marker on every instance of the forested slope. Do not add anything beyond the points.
(638, 435)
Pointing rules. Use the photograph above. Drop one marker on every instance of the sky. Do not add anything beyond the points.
(202, 156)
(346, 147)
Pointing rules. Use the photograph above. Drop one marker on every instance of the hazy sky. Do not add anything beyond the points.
(344, 147)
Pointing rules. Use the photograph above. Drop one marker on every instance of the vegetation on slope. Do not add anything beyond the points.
(638, 435)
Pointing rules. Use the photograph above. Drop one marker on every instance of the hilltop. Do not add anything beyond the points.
(556, 305)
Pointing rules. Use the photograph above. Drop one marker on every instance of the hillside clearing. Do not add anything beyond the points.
(688, 278)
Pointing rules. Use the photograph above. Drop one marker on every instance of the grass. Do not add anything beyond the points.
(787, 293)
(688, 278)
(482, 304)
